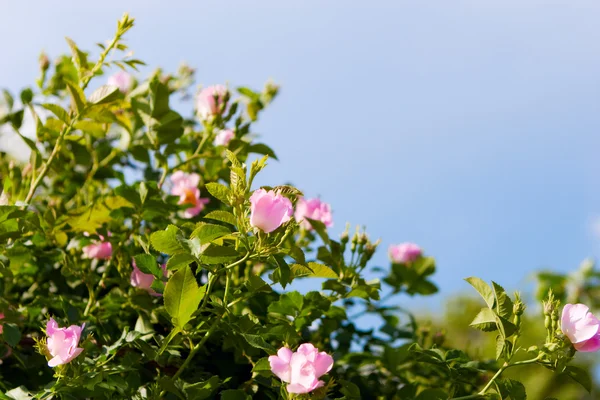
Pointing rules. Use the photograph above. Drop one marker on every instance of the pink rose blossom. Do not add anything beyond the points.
(404, 252)
(313, 209)
(62, 342)
(269, 210)
(100, 250)
(301, 370)
(144, 281)
(224, 137)
(581, 327)
(1, 327)
(186, 187)
(122, 80)
(205, 102)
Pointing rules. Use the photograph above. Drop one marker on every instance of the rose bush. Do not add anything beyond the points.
(141, 230)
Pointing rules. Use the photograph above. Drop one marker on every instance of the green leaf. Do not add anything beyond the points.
(223, 216)
(182, 296)
(214, 254)
(259, 342)
(505, 327)
(147, 264)
(483, 289)
(500, 344)
(202, 390)
(78, 100)
(320, 228)
(285, 274)
(512, 388)
(432, 394)
(105, 94)
(504, 305)
(219, 191)
(11, 334)
(57, 110)
(485, 320)
(288, 304)
(10, 101)
(206, 233)
(349, 390)
(179, 260)
(79, 57)
(261, 148)
(313, 270)
(167, 241)
(234, 394)
(95, 129)
(580, 376)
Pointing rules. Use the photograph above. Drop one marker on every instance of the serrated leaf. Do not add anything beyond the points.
(167, 241)
(485, 320)
(432, 394)
(179, 260)
(206, 233)
(580, 376)
(484, 290)
(219, 191)
(504, 305)
(512, 388)
(182, 296)
(320, 228)
(313, 270)
(57, 110)
(11, 334)
(78, 101)
(97, 130)
(261, 148)
(259, 342)
(505, 327)
(105, 94)
(147, 264)
(500, 344)
(214, 254)
(223, 216)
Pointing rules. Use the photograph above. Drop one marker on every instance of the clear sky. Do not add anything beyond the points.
(468, 127)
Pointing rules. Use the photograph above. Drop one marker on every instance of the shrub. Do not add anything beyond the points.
(138, 261)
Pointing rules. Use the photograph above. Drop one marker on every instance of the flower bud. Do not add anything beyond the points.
(44, 62)
(439, 338)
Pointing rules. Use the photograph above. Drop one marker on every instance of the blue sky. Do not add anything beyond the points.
(469, 127)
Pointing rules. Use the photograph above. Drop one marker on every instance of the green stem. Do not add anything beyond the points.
(86, 80)
(496, 376)
(94, 294)
(194, 350)
(46, 167)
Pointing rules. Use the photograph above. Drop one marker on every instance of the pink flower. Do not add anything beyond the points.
(62, 342)
(301, 370)
(101, 250)
(205, 102)
(313, 209)
(144, 281)
(122, 80)
(224, 137)
(269, 210)
(186, 187)
(404, 252)
(581, 327)
(1, 327)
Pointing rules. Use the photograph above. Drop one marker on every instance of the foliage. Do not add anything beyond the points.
(102, 173)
